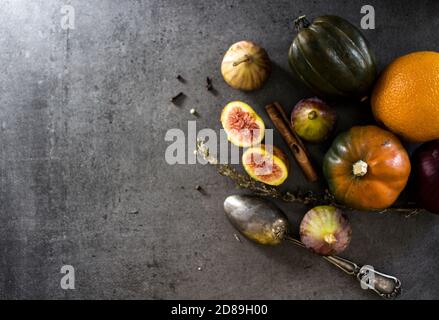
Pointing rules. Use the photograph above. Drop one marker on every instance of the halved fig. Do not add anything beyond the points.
(325, 230)
(266, 163)
(243, 126)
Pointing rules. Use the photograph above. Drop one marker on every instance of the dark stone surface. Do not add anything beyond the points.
(83, 116)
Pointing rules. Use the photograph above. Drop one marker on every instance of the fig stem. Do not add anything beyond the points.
(329, 238)
(245, 58)
(312, 115)
(359, 168)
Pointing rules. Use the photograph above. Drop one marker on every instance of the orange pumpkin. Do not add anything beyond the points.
(366, 168)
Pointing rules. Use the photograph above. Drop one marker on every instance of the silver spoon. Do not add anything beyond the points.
(264, 223)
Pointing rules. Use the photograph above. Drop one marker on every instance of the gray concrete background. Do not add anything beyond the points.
(83, 116)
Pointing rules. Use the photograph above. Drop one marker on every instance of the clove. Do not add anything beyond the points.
(209, 85)
(177, 96)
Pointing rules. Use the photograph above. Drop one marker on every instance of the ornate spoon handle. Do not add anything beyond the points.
(386, 286)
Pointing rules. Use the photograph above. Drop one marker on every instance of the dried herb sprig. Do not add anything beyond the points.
(244, 181)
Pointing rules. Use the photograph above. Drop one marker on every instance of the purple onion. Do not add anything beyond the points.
(426, 171)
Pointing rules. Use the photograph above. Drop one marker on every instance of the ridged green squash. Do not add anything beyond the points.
(332, 57)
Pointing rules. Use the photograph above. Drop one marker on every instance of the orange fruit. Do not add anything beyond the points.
(406, 96)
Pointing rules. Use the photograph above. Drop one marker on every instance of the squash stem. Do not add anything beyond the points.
(359, 168)
(301, 22)
(245, 58)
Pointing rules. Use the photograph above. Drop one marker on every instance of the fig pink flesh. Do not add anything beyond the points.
(266, 167)
(242, 124)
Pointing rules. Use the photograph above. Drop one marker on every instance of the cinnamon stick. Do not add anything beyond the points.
(280, 121)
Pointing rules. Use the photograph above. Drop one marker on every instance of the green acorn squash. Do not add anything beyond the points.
(332, 57)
